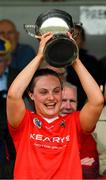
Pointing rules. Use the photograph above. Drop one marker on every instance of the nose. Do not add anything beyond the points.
(50, 96)
(68, 105)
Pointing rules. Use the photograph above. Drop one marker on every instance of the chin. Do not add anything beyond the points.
(51, 115)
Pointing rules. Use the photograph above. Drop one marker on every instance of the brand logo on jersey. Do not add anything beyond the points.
(57, 139)
(63, 123)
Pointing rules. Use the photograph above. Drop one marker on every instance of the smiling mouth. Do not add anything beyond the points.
(50, 106)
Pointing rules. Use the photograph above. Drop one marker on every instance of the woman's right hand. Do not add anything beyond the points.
(43, 40)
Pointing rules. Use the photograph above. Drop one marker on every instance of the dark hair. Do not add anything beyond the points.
(42, 72)
(81, 30)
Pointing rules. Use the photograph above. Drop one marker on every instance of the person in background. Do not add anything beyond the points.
(21, 53)
(100, 134)
(89, 157)
(69, 99)
(88, 151)
(89, 61)
(7, 149)
(46, 147)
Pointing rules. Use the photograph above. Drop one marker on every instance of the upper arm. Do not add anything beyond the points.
(15, 111)
(89, 116)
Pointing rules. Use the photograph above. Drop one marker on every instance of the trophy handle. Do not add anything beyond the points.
(30, 29)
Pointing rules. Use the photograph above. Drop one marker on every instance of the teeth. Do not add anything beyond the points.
(50, 106)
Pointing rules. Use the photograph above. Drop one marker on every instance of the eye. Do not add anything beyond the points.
(7, 33)
(73, 101)
(57, 90)
(11, 32)
(43, 91)
(64, 100)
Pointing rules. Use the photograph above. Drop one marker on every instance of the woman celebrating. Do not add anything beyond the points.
(47, 145)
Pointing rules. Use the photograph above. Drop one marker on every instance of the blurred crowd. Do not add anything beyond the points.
(14, 56)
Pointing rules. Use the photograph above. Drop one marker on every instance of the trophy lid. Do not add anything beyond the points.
(54, 20)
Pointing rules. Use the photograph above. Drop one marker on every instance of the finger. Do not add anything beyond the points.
(38, 37)
(47, 34)
(69, 35)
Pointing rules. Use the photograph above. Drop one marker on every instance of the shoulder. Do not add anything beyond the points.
(74, 115)
(26, 121)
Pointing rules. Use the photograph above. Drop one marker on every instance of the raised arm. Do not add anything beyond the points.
(91, 111)
(15, 103)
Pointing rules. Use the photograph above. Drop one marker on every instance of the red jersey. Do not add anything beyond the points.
(88, 147)
(47, 150)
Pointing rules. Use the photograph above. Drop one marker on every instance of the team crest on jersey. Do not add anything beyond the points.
(37, 122)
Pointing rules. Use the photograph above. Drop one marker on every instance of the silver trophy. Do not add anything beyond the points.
(60, 50)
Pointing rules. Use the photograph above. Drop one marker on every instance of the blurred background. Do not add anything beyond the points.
(91, 13)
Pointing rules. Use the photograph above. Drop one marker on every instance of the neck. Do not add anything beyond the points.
(50, 120)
